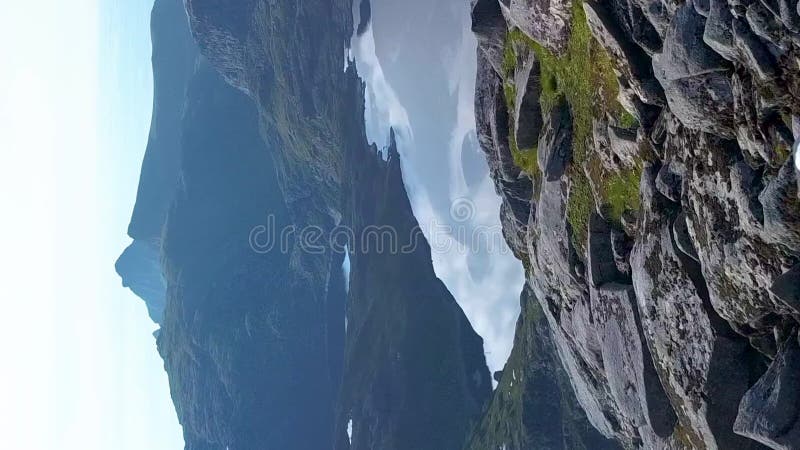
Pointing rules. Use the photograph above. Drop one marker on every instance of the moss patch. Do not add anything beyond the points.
(585, 77)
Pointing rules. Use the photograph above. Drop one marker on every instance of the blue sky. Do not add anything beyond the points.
(80, 368)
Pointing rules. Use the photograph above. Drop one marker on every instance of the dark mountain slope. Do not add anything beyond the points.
(174, 57)
(415, 375)
(242, 340)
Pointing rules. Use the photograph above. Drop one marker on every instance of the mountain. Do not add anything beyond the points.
(243, 340)
(270, 145)
(534, 405)
(415, 374)
(641, 149)
(175, 54)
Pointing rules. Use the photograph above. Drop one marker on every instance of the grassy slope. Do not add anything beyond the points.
(584, 76)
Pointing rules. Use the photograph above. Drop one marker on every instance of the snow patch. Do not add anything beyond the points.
(797, 155)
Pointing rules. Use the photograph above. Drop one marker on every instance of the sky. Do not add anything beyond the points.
(426, 92)
(80, 367)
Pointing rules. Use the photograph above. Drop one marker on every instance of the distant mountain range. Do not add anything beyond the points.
(641, 150)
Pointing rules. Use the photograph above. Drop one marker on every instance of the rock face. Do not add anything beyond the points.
(534, 405)
(676, 322)
(546, 21)
(768, 413)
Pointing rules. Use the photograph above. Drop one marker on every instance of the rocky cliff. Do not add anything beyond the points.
(642, 151)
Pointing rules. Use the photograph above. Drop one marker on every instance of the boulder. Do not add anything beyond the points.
(555, 142)
(489, 27)
(685, 54)
(787, 288)
(718, 32)
(703, 102)
(669, 180)
(547, 22)
(770, 410)
(624, 145)
(753, 53)
(694, 77)
(699, 360)
(629, 58)
(528, 109)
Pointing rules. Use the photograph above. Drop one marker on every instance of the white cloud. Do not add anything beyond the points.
(491, 303)
(384, 109)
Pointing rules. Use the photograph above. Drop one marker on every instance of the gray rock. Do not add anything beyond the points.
(634, 384)
(769, 411)
(765, 25)
(489, 27)
(685, 54)
(616, 397)
(621, 245)
(624, 145)
(703, 102)
(718, 32)
(492, 120)
(749, 133)
(780, 207)
(555, 143)
(683, 241)
(656, 13)
(548, 22)
(641, 29)
(789, 14)
(629, 58)
(695, 361)
(515, 189)
(753, 53)
(725, 219)
(670, 180)
(528, 114)
(702, 7)
(787, 288)
(601, 145)
(602, 264)
(694, 77)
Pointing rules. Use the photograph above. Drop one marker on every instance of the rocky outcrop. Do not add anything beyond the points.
(534, 405)
(768, 413)
(514, 187)
(490, 29)
(546, 21)
(667, 318)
